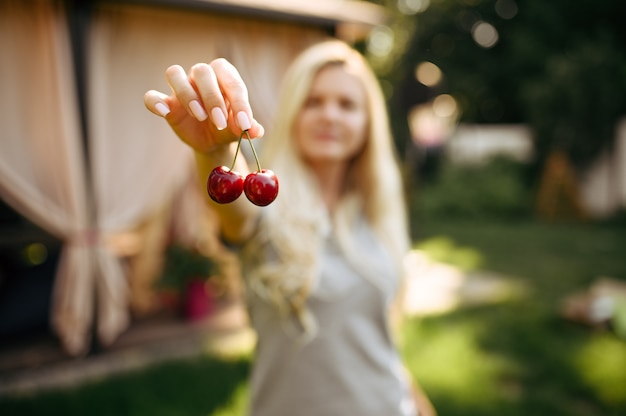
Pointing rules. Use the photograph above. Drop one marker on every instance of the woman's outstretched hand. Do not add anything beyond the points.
(208, 107)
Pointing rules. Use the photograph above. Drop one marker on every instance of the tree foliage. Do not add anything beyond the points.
(558, 65)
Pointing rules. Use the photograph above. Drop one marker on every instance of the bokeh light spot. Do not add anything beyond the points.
(485, 34)
(410, 7)
(428, 74)
(380, 41)
(506, 9)
(444, 105)
(35, 254)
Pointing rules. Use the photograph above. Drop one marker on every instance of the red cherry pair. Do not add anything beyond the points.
(225, 185)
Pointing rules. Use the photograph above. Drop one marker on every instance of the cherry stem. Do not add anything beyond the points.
(236, 152)
(256, 158)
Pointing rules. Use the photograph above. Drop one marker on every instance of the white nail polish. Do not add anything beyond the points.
(218, 118)
(198, 111)
(162, 109)
(243, 121)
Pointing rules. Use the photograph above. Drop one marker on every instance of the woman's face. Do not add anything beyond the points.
(331, 127)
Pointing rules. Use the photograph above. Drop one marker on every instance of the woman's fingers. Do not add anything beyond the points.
(212, 91)
(236, 93)
(205, 81)
(184, 91)
(156, 102)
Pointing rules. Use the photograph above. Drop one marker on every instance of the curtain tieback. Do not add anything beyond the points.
(88, 237)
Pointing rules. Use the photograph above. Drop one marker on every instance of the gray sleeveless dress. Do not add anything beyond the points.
(350, 367)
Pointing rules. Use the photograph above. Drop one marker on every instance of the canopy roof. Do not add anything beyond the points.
(355, 17)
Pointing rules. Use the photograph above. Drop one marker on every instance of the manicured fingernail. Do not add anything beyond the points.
(198, 111)
(243, 121)
(218, 118)
(162, 109)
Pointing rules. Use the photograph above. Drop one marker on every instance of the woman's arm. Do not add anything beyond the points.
(397, 315)
(422, 402)
(208, 109)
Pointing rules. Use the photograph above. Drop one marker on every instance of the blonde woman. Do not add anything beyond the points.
(323, 262)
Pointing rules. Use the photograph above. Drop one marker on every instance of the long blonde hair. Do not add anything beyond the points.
(297, 221)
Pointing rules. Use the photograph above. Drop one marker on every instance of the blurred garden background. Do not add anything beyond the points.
(509, 119)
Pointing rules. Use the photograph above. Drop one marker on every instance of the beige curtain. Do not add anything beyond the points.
(137, 165)
(41, 161)
(146, 40)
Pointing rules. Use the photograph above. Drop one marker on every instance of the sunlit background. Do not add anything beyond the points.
(509, 121)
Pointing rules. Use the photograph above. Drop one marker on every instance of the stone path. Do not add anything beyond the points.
(42, 366)
(438, 288)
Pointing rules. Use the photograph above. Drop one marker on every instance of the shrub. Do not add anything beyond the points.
(494, 190)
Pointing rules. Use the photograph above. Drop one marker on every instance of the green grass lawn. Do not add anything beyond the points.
(514, 357)
(202, 386)
(519, 357)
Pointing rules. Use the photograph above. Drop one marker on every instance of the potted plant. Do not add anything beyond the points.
(186, 274)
